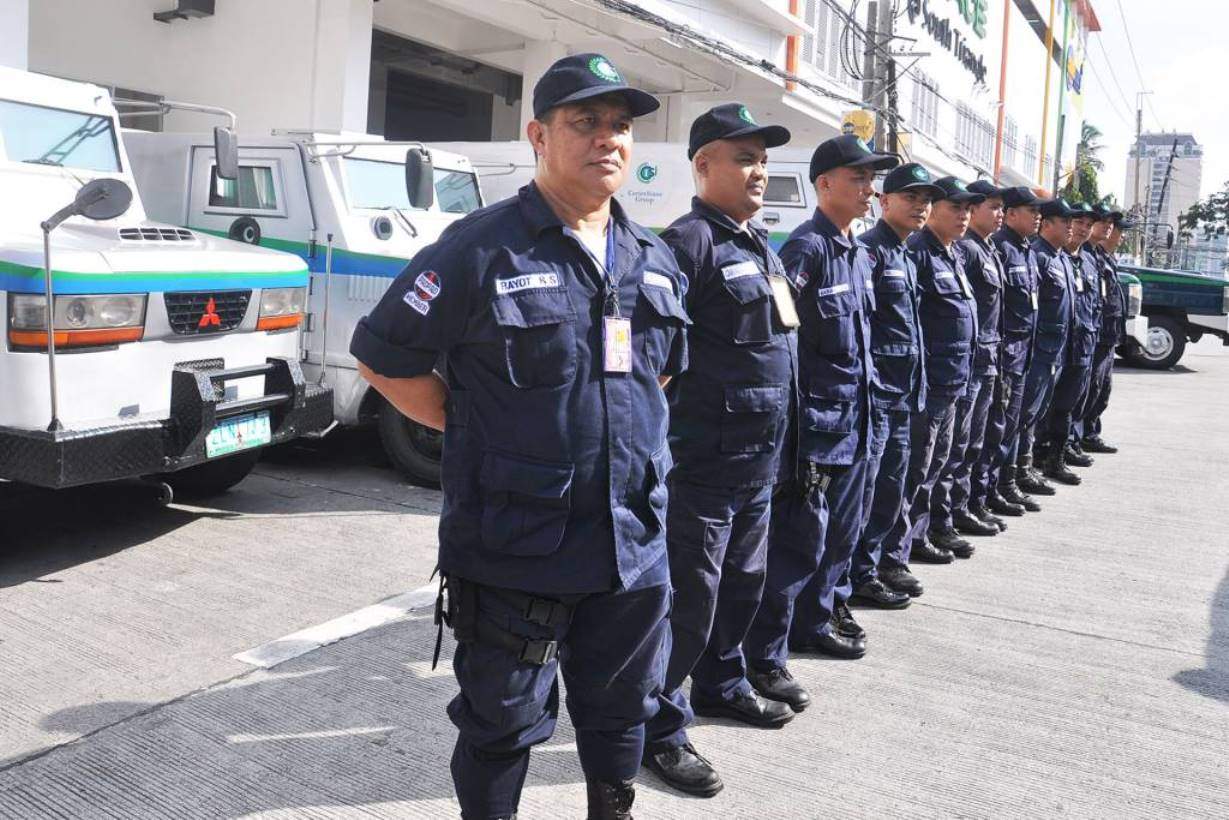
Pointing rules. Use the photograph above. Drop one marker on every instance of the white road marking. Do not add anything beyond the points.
(359, 730)
(312, 638)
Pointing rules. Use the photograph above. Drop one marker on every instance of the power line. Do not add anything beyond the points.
(1139, 74)
(1113, 103)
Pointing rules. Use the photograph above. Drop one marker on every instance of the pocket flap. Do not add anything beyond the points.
(836, 300)
(533, 308)
(746, 289)
(1051, 328)
(891, 284)
(897, 349)
(514, 474)
(664, 303)
(756, 399)
(946, 281)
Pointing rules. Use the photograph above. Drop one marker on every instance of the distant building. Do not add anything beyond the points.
(1181, 157)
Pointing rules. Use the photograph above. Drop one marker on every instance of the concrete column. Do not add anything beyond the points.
(341, 65)
(15, 33)
(539, 55)
(678, 118)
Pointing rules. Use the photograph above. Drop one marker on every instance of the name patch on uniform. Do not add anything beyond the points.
(1017, 269)
(413, 300)
(739, 270)
(945, 274)
(892, 273)
(527, 281)
(658, 280)
(834, 290)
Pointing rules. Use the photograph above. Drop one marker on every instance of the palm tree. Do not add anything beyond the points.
(1082, 183)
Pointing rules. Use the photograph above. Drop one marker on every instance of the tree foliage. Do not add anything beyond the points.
(1207, 218)
(1082, 182)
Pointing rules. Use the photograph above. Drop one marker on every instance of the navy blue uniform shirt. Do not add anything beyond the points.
(1055, 305)
(1020, 284)
(1113, 300)
(730, 408)
(1087, 304)
(832, 272)
(896, 328)
(949, 317)
(553, 469)
(984, 271)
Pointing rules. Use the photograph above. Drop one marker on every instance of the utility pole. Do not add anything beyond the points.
(1139, 155)
(868, 59)
(879, 73)
(886, 21)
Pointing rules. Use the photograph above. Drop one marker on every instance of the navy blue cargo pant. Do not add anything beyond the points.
(811, 536)
(1099, 386)
(1002, 433)
(889, 462)
(930, 442)
(613, 656)
(953, 489)
(717, 540)
(1038, 390)
(1069, 394)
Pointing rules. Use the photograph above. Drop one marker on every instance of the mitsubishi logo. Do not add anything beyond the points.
(210, 317)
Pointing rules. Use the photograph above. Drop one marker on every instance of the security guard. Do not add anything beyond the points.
(554, 321)
(1055, 309)
(949, 333)
(1073, 381)
(883, 579)
(729, 412)
(959, 497)
(817, 512)
(1021, 219)
(1107, 236)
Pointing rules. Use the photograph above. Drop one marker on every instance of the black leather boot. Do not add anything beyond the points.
(1075, 456)
(611, 801)
(1056, 468)
(1014, 495)
(998, 503)
(1029, 480)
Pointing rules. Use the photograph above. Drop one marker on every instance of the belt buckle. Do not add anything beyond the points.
(539, 611)
(538, 652)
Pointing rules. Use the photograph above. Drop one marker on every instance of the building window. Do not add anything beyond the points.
(925, 110)
(1029, 164)
(1011, 135)
(974, 136)
(823, 50)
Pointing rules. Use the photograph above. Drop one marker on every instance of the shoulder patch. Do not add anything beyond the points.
(527, 281)
(412, 299)
(427, 285)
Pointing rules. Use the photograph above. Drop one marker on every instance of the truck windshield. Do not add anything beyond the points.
(54, 136)
(375, 184)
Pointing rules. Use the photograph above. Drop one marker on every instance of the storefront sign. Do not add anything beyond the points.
(947, 35)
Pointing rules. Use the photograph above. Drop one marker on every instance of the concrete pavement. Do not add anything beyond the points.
(1077, 666)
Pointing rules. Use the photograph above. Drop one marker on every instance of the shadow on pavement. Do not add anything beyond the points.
(1124, 369)
(357, 723)
(1213, 680)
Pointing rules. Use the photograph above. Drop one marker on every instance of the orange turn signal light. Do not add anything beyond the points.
(279, 322)
(76, 338)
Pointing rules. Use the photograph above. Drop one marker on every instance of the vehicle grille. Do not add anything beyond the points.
(186, 310)
(152, 234)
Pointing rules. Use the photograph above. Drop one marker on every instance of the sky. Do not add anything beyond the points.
(1182, 52)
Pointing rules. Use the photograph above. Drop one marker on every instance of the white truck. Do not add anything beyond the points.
(353, 207)
(132, 349)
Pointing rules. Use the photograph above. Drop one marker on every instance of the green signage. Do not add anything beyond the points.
(974, 13)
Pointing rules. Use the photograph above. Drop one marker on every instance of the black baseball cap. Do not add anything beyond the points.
(731, 121)
(911, 176)
(955, 191)
(848, 151)
(582, 76)
(986, 188)
(1083, 210)
(1056, 207)
(1020, 196)
(1104, 213)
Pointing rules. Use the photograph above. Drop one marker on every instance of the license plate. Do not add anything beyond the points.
(239, 433)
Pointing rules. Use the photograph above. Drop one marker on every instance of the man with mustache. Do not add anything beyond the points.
(729, 411)
(882, 579)
(949, 330)
(1021, 219)
(1055, 292)
(817, 508)
(1073, 381)
(553, 321)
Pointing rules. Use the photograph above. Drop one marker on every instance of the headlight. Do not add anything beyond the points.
(1135, 298)
(103, 319)
(281, 308)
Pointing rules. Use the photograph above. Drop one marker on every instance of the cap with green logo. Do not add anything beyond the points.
(732, 121)
(584, 76)
(910, 177)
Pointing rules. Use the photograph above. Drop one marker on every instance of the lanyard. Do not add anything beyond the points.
(611, 307)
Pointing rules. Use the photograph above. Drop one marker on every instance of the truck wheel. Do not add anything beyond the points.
(212, 477)
(415, 450)
(1166, 344)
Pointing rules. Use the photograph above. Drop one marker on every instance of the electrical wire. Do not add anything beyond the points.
(1135, 61)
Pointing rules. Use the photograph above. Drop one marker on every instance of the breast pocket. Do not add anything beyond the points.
(659, 319)
(893, 305)
(525, 504)
(837, 332)
(752, 415)
(752, 308)
(539, 335)
(951, 297)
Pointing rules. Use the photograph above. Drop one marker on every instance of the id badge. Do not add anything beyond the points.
(784, 300)
(1032, 297)
(1079, 284)
(618, 344)
(1103, 291)
(965, 287)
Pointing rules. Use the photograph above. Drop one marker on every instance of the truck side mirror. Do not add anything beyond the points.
(226, 152)
(419, 178)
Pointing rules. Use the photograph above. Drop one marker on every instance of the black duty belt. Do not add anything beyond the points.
(456, 606)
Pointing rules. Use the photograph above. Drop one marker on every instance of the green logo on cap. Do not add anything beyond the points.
(958, 185)
(646, 172)
(603, 70)
(745, 115)
(861, 143)
(920, 173)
